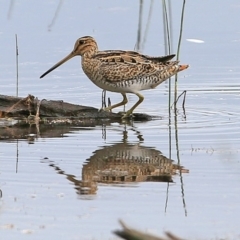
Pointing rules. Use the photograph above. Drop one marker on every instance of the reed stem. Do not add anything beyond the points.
(16, 65)
(178, 50)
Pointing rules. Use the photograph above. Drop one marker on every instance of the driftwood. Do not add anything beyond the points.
(32, 108)
(132, 234)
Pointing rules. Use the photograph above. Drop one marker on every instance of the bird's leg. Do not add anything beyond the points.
(123, 102)
(129, 112)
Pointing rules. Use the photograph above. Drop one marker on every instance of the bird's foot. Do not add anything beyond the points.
(107, 109)
(127, 115)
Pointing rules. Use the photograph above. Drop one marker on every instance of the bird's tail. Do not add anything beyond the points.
(182, 67)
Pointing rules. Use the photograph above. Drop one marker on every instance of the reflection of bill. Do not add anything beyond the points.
(121, 163)
(82, 187)
(124, 162)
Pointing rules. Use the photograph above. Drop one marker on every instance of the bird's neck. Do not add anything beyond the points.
(91, 51)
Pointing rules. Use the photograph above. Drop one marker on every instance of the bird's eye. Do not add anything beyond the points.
(81, 42)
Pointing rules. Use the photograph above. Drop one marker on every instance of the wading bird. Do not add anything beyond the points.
(121, 71)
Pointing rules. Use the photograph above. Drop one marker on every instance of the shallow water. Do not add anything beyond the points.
(41, 171)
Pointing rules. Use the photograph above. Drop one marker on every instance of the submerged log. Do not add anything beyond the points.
(31, 106)
(24, 107)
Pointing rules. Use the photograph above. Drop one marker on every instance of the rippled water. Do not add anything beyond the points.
(43, 171)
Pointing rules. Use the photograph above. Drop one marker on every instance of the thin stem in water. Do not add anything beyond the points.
(16, 65)
(178, 49)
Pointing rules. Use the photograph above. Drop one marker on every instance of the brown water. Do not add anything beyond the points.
(45, 171)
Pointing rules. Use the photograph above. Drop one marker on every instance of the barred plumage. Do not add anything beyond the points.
(121, 71)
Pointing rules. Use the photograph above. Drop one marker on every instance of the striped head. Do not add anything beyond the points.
(84, 46)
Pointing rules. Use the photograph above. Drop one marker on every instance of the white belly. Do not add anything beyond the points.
(130, 86)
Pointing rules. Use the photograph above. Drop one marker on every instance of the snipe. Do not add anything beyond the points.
(121, 71)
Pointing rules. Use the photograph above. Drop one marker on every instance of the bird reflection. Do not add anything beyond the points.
(123, 162)
(126, 162)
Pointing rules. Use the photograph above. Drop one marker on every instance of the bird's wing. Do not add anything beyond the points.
(136, 55)
(119, 65)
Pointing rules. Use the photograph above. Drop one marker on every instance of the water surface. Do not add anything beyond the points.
(41, 170)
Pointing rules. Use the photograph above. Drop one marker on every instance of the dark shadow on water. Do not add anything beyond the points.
(121, 163)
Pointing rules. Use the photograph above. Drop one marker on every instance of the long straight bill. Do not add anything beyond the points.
(71, 55)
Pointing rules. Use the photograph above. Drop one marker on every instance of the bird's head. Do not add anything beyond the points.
(84, 46)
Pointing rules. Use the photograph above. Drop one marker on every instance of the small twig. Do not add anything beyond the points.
(14, 105)
(38, 108)
(184, 99)
(103, 98)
